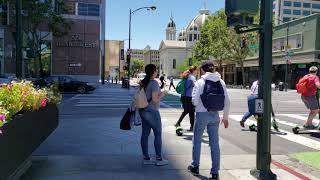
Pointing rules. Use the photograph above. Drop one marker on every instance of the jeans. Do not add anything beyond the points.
(188, 108)
(151, 120)
(211, 121)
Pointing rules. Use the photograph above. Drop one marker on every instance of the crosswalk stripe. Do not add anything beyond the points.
(295, 116)
(99, 105)
(289, 136)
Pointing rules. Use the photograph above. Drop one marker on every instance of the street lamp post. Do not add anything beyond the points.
(129, 56)
(287, 58)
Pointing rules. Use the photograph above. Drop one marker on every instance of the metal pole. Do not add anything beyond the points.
(103, 49)
(129, 57)
(263, 158)
(287, 57)
(119, 58)
(19, 39)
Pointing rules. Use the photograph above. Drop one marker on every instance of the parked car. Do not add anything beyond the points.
(67, 84)
(6, 79)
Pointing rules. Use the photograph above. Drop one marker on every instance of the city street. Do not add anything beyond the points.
(89, 144)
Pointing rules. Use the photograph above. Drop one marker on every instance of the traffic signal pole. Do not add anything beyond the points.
(263, 158)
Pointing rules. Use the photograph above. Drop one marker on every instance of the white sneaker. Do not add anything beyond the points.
(151, 161)
(162, 162)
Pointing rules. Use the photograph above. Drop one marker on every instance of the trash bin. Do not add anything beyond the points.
(125, 82)
(281, 86)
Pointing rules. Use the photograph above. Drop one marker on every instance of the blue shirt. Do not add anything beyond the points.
(189, 85)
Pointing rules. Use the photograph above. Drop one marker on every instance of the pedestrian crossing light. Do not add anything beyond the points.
(243, 42)
(241, 12)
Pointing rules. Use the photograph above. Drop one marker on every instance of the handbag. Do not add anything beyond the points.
(125, 122)
(140, 99)
(135, 118)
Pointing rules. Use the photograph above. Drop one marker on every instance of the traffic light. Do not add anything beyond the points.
(241, 12)
(4, 13)
(242, 7)
(243, 42)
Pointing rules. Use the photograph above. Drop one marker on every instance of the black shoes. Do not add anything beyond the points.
(242, 123)
(215, 177)
(193, 170)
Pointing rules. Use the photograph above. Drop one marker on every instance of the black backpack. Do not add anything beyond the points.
(213, 96)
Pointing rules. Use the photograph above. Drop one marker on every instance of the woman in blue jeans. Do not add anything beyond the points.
(151, 117)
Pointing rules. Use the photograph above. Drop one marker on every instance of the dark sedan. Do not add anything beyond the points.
(67, 84)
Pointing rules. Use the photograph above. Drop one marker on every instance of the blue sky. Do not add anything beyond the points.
(148, 27)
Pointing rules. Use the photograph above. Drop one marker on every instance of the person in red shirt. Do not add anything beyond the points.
(309, 98)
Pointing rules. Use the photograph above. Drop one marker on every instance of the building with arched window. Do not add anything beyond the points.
(178, 46)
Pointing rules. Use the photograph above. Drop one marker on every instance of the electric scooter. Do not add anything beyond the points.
(301, 129)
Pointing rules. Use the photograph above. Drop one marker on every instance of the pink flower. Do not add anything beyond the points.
(44, 102)
(2, 117)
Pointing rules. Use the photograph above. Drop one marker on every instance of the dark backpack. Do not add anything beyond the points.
(213, 96)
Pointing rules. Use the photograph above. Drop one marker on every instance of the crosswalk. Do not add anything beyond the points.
(114, 100)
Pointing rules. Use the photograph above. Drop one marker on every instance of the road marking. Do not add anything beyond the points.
(295, 116)
(289, 136)
(101, 105)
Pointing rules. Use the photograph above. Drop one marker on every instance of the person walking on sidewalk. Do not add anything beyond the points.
(116, 79)
(208, 116)
(186, 97)
(171, 83)
(308, 97)
(162, 81)
(151, 117)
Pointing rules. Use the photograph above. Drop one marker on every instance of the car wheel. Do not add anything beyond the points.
(81, 90)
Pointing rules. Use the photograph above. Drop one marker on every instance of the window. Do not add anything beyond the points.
(174, 64)
(287, 11)
(306, 5)
(297, 4)
(195, 37)
(297, 12)
(190, 37)
(86, 9)
(314, 12)
(306, 13)
(287, 3)
(316, 6)
(286, 19)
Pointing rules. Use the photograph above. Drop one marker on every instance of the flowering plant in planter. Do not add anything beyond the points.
(18, 97)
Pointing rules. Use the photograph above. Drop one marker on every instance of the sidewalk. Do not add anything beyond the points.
(90, 145)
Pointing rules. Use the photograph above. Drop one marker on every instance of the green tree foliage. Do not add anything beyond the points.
(137, 66)
(38, 14)
(223, 43)
(186, 64)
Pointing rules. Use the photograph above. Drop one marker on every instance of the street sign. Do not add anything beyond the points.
(302, 66)
(259, 106)
(129, 51)
(290, 53)
(253, 46)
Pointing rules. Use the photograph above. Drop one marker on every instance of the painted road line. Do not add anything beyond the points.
(289, 136)
(101, 105)
(295, 116)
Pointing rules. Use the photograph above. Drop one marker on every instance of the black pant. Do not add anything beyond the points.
(188, 108)
(171, 84)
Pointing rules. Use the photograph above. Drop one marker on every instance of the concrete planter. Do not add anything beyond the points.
(21, 136)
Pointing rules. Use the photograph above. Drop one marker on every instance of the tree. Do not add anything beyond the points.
(39, 13)
(137, 66)
(214, 40)
(186, 64)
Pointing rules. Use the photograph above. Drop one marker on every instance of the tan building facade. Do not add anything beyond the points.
(152, 56)
(78, 53)
(115, 58)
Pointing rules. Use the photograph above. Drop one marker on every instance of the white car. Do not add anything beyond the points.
(141, 76)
